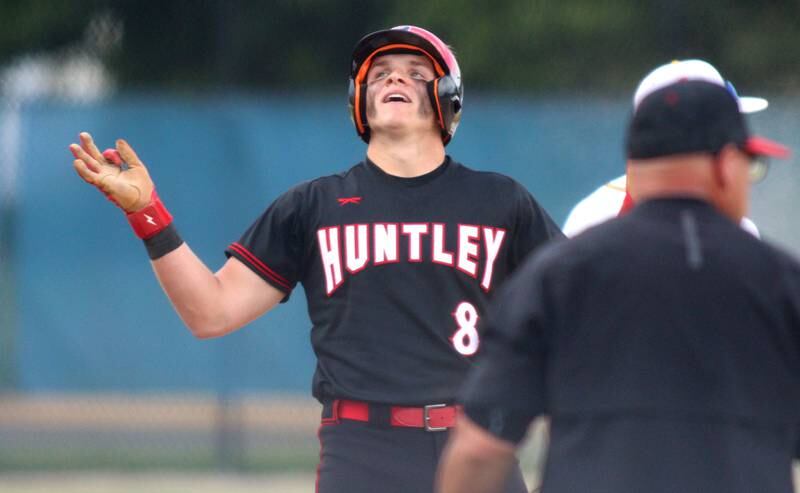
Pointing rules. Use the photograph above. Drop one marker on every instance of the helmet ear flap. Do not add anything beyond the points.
(351, 95)
(432, 88)
(445, 96)
(358, 112)
(449, 91)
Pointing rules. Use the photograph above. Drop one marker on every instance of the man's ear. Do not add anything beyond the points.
(724, 168)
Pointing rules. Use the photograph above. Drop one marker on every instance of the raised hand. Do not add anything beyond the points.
(121, 176)
(130, 187)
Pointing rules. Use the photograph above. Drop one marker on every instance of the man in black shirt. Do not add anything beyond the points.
(664, 345)
(397, 256)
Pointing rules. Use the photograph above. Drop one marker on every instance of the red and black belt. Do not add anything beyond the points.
(433, 417)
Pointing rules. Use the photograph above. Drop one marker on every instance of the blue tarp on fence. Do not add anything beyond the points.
(91, 315)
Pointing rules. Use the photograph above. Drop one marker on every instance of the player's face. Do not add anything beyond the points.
(396, 93)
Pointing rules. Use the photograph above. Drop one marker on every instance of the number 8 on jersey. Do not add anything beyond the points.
(465, 339)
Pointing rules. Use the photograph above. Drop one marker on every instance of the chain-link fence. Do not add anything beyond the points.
(74, 74)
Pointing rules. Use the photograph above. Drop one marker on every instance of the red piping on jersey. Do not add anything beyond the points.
(277, 278)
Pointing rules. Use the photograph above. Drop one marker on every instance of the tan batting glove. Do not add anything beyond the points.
(130, 189)
(121, 176)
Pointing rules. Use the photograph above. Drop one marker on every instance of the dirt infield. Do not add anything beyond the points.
(102, 443)
(168, 483)
(155, 482)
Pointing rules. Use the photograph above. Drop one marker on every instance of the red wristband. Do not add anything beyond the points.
(151, 219)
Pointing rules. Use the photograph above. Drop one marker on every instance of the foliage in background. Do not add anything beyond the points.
(521, 45)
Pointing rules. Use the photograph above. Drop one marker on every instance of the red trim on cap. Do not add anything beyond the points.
(765, 147)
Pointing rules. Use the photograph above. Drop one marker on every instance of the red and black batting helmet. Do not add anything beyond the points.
(446, 91)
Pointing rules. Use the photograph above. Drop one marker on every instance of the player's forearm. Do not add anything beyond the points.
(474, 461)
(195, 292)
(475, 475)
(472, 474)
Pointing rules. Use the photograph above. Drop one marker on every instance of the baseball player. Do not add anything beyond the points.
(664, 345)
(614, 198)
(398, 257)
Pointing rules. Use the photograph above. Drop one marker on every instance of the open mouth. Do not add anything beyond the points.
(396, 97)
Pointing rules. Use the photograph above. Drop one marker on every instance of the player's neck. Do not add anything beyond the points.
(406, 158)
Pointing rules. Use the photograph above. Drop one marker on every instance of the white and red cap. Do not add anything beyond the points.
(691, 116)
(692, 69)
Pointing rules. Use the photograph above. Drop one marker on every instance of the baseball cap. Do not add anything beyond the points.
(692, 116)
(693, 69)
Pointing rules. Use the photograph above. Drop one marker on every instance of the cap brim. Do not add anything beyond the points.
(760, 146)
(750, 104)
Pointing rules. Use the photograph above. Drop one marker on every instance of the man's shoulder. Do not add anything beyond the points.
(321, 186)
(490, 180)
(349, 174)
(354, 171)
(786, 262)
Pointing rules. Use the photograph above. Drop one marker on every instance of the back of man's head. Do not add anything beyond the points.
(678, 133)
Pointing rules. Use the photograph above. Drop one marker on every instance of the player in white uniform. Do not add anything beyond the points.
(617, 196)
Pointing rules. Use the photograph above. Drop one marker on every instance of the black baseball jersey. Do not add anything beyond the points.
(665, 346)
(397, 272)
